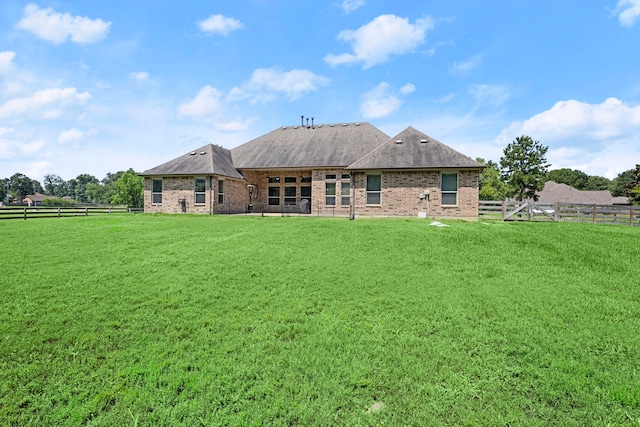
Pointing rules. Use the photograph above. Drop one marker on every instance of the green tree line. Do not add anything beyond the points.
(123, 187)
(523, 170)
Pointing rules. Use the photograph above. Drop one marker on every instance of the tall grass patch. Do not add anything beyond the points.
(200, 320)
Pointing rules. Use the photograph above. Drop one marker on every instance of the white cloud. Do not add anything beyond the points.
(379, 102)
(70, 135)
(11, 148)
(206, 102)
(448, 97)
(628, 12)
(350, 5)
(385, 36)
(489, 95)
(219, 24)
(466, 66)
(407, 89)
(57, 27)
(599, 139)
(48, 101)
(266, 83)
(6, 61)
(139, 75)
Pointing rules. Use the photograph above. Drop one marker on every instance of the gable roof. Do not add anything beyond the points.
(558, 192)
(325, 145)
(412, 149)
(208, 160)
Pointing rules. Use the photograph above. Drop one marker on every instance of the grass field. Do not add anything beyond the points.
(200, 320)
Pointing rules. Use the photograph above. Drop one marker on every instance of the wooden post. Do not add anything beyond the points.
(59, 212)
(594, 213)
(631, 215)
(25, 214)
(86, 211)
(557, 215)
(504, 209)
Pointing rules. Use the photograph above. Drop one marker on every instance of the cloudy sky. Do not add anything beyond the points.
(102, 86)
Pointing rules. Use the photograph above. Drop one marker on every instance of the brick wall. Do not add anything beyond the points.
(400, 195)
(176, 188)
(261, 180)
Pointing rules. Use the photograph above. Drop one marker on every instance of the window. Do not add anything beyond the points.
(449, 189)
(274, 179)
(345, 192)
(345, 176)
(330, 194)
(221, 191)
(374, 188)
(330, 176)
(305, 179)
(201, 196)
(289, 195)
(289, 179)
(274, 196)
(156, 191)
(305, 193)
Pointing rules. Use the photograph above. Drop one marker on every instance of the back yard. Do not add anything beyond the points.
(199, 320)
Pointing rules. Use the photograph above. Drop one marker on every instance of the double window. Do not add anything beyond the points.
(156, 191)
(449, 189)
(374, 189)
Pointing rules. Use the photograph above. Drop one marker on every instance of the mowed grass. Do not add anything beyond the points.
(201, 320)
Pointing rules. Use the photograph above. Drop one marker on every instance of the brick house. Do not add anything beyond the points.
(347, 169)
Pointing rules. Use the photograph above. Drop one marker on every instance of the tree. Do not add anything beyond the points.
(595, 182)
(4, 190)
(129, 190)
(618, 186)
(575, 178)
(633, 187)
(53, 184)
(98, 193)
(491, 186)
(80, 186)
(524, 167)
(21, 185)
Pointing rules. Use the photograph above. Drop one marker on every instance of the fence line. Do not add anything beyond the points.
(24, 212)
(575, 212)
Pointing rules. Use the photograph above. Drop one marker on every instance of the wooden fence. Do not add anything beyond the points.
(534, 211)
(24, 212)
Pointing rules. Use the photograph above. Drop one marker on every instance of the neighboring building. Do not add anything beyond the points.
(36, 199)
(557, 192)
(349, 169)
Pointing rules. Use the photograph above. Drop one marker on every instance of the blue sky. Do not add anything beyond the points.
(97, 87)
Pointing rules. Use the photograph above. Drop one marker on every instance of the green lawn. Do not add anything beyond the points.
(201, 320)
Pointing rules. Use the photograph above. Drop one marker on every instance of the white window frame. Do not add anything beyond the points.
(378, 192)
(156, 194)
(197, 193)
(345, 199)
(447, 192)
(330, 199)
(221, 191)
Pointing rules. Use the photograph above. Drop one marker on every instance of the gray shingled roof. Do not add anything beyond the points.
(208, 160)
(299, 146)
(557, 192)
(412, 149)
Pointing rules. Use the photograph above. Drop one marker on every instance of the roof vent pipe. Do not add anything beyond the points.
(307, 122)
(302, 120)
(312, 122)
